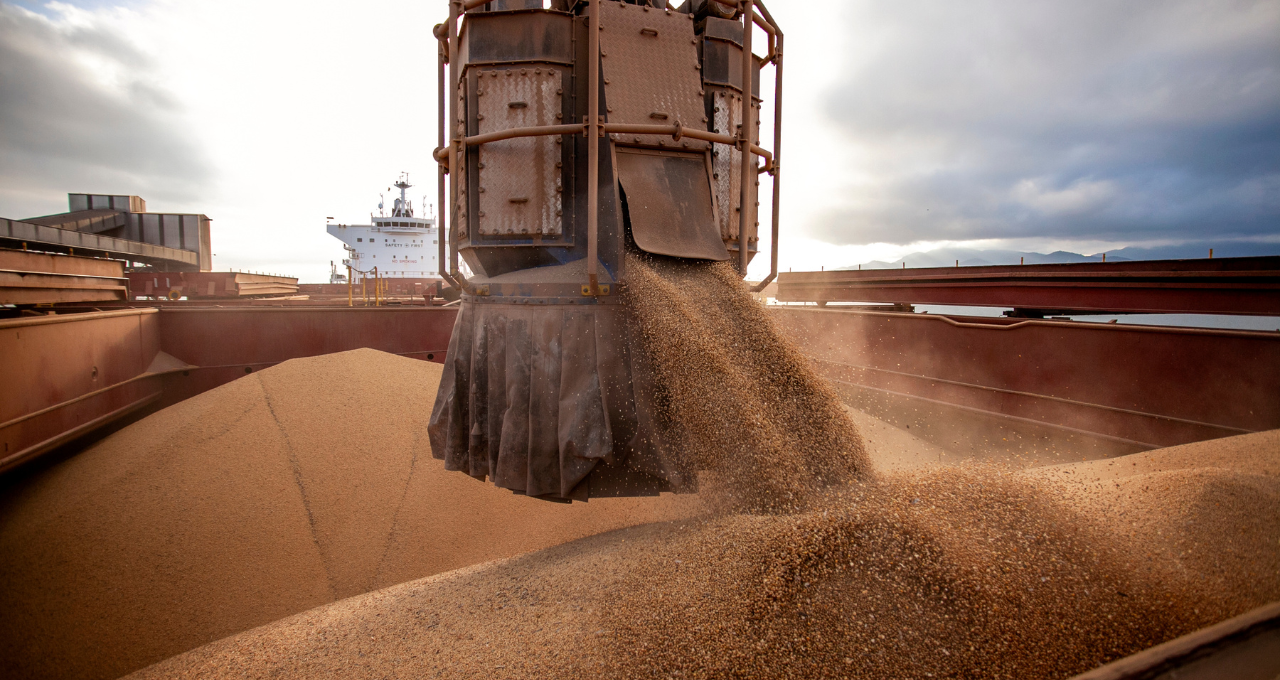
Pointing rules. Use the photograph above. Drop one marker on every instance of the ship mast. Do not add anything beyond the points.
(403, 207)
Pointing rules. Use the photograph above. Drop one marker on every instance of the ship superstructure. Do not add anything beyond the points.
(401, 245)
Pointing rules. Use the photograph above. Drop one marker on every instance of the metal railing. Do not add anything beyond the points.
(379, 293)
(594, 129)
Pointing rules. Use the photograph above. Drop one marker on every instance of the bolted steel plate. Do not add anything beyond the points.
(520, 179)
(669, 202)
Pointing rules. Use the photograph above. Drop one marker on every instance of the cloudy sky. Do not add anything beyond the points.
(1085, 126)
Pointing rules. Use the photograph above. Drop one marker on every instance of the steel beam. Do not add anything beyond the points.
(210, 284)
(90, 221)
(28, 277)
(24, 235)
(32, 288)
(1241, 285)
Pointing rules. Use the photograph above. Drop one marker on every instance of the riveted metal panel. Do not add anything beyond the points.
(461, 201)
(722, 65)
(520, 179)
(649, 61)
(726, 161)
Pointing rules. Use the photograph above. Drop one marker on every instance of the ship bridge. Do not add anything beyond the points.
(400, 244)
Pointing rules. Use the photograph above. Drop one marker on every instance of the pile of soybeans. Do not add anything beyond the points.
(287, 489)
(960, 572)
(813, 551)
(808, 562)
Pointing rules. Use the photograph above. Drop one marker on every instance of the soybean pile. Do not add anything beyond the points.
(292, 487)
(969, 572)
(809, 561)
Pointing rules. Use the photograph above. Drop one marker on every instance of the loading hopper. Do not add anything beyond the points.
(577, 135)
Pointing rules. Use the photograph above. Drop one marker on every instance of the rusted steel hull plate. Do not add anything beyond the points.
(1138, 386)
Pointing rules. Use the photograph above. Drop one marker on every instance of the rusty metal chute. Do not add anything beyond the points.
(668, 203)
(552, 405)
(572, 135)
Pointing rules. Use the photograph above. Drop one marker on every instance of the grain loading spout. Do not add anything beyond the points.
(578, 134)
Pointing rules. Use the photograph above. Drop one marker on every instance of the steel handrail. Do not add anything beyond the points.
(777, 150)
(593, 145)
(536, 131)
(456, 9)
(676, 131)
(442, 223)
(747, 121)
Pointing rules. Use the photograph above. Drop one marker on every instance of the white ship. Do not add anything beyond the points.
(401, 245)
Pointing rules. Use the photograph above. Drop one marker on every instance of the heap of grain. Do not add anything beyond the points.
(953, 572)
(295, 486)
(813, 568)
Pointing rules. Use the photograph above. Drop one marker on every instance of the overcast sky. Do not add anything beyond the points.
(1084, 126)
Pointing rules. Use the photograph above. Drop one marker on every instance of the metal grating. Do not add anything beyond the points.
(726, 162)
(459, 174)
(649, 61)
(520, 179)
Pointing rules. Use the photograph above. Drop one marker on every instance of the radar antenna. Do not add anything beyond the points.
(403, 207)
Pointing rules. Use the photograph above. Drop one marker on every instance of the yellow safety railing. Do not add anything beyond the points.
(379, 293)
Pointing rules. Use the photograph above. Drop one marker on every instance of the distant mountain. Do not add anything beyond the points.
(972, 257)
(969, 257)
(1198, 250)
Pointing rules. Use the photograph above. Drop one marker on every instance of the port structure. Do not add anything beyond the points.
(671, 94)
(572, 137)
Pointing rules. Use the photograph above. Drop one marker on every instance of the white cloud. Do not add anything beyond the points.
(1005, 119)
(298, 111)
(906, 123)
(1081, 196)
(82, 109)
